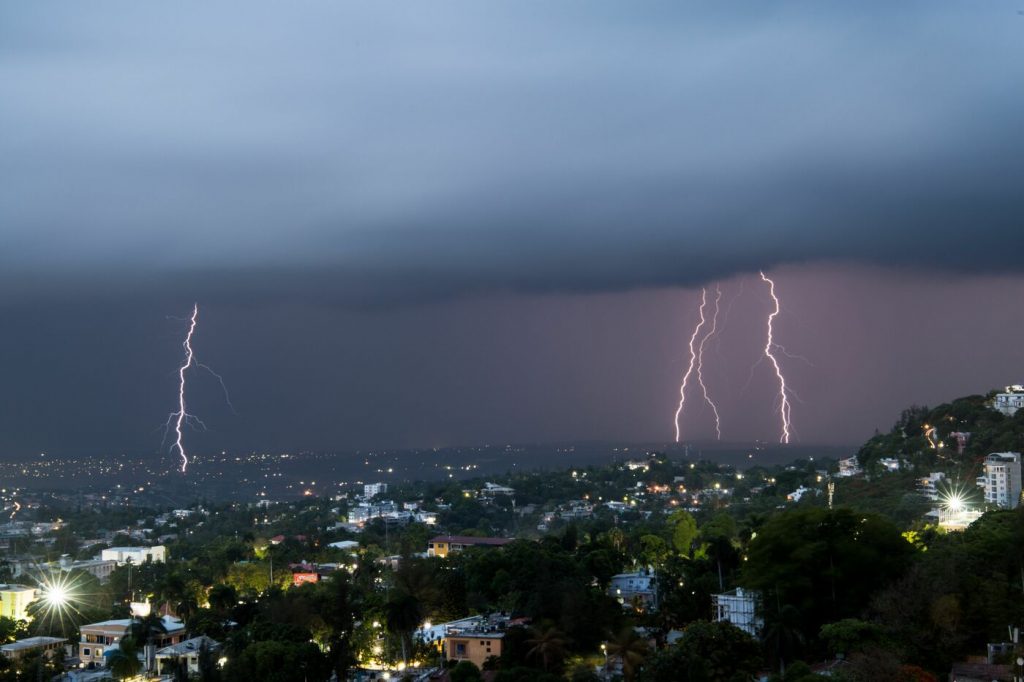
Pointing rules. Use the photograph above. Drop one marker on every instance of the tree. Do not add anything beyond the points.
(547, 646)
(465, 671)
(277, 661)
(823, 562)
(684, 531)
(707, 652)
(719, 538)
(124, 660)
(631, 649)
(850, 636)
(403, 615)
(222, 598)
(783, 638)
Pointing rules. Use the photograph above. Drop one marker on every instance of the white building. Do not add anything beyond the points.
(14, 601)
(1009, 401)
(929, 487)
(738, 607)
(636, 587)
(46, 646)
(848, 467)
(373, 489)
(890, 464)
(1002, 479)
(187, 651)
(137, 555)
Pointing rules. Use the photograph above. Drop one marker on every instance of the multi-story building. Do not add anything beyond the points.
(47, 646)
(373, 489)
(137, 555)
(96, 638)
(848, 467)
(472, 645)
(635, 589)
(1002, 479)
(99, 568)
(14, 601)
(443, 545)
(1010, 400)
(738, 607)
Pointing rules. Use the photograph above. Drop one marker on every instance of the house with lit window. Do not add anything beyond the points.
(443, 545)
(475, 645)
(99, 639)
(636, 589)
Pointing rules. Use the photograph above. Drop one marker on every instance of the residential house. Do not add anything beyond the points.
(443, 545)
(187, 651)
(738, 607)
(637, 589)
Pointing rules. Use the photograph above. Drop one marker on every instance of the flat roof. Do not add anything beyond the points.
(16, 588)
(31, 643)
(474, 634)
(470, 540)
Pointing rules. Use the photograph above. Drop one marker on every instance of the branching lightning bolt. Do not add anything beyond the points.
(700, 362)
(180, 418)
(784, 406)
(181, 415)
(693, 359)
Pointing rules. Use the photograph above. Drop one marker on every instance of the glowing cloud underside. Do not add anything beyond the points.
(693, 360)
(700, 362)
(770, 345)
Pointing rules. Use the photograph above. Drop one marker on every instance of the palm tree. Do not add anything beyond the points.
(147, 629)
(548, 646)
(124, 660)
(783, 638)
(631, 649)
(403, 614)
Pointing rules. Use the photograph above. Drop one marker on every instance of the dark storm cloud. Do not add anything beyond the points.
(371, 153)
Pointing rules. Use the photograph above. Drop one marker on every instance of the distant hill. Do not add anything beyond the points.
(927, 437)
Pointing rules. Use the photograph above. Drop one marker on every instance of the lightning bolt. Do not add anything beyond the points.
(700, 362)
(784, 406)
(182, 414)
(693, 359)
(178, 419)
(17, 508)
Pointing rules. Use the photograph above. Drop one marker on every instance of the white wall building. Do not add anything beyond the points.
(738, 607)
(849, 467)
(636, 586)
(374, 489)
(187, 652)
(1010, 400)
(1002, 479)
(137, 555)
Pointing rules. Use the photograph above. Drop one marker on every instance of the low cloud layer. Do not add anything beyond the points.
(368, 155)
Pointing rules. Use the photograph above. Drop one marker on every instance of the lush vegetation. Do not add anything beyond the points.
(869, 582)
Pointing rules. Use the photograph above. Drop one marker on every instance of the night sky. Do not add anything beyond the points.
(458, 222)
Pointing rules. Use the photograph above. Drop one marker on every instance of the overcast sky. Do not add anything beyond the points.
(435, 223)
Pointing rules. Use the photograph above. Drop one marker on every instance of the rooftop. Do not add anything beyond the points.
(16, 588)
(470, 540)
(31, 643)
(189, 646)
